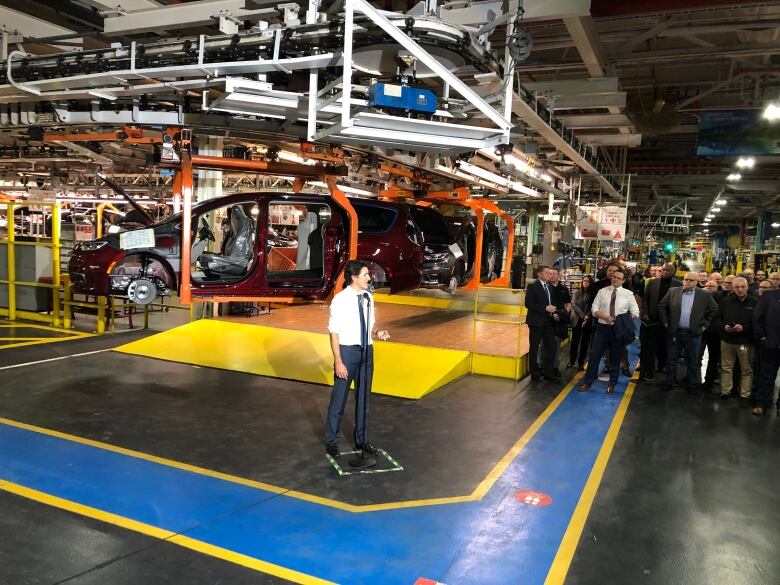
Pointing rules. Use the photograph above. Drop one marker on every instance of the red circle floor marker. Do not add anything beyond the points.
(533, 498)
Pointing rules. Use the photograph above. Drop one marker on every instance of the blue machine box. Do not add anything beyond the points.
(402, 97)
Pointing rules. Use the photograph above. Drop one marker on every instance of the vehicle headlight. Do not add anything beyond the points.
(434, 256)
(92, 246)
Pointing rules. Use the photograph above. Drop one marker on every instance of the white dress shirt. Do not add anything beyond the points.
(624, 302)
(345, 319)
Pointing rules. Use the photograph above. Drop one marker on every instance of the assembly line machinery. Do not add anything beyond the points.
(426, 81)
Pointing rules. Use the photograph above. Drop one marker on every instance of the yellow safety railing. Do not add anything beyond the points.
(12, 312)
(514, 367)
(101, 306)
(106, 307)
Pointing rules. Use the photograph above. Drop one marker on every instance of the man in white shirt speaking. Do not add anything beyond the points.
(352, 319)
(609, 304)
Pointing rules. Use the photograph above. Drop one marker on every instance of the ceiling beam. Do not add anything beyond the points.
(612, 139)
(179, 16)
(585, 121)
(533, 10)
(586, 38)
(31, 26)
(533, 120)
(585, 102)
(593, 86)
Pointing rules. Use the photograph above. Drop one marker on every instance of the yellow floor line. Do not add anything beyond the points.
(565, 554)
(45, 340)
(168, 536)
(30, 325)
(479, 492)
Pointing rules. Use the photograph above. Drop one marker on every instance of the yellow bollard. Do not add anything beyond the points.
(101, 316)
(55, 259)
(67, 297)
(11, 263)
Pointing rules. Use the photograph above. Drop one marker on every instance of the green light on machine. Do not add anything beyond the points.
(669, 247)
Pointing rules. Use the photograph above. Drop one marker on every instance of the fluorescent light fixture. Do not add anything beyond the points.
(721, 202)
(344, 188)
(292, 157)
(715, 210)
(771, 113)
(355, 190)
(776, 224)
(746, 162)
(733, 177)
(546, 177)
(520, 188)
(706, 231)
(485, 174)
(519, 164)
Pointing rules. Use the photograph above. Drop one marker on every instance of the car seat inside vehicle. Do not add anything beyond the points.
(237, 253)
(301, 265)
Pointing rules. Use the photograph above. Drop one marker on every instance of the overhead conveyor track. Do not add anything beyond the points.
(341, 47)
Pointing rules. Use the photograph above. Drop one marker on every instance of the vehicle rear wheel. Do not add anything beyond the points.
(142, 291)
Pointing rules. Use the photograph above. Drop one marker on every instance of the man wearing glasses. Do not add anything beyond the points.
(686, 313)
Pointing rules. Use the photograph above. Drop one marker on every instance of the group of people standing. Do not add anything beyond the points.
(736, 319)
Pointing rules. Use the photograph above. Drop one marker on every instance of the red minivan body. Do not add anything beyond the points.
(266, 245)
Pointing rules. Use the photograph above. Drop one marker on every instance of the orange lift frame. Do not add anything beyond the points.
(462, 196)
(183, 185)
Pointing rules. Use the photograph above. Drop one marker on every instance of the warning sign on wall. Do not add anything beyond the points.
(612, 223)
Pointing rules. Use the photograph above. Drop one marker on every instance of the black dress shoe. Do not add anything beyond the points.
(332, 449)
(553, 377)
(743, 402)
(557, 372)
(368, 448)
(626, 372)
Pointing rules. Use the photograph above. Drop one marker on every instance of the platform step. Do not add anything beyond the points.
(400, 369)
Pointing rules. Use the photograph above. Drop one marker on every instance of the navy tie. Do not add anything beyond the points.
(363, 331)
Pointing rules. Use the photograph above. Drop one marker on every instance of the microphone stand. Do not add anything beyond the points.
(364, 460)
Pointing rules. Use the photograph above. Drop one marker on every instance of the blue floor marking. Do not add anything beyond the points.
(495, 541)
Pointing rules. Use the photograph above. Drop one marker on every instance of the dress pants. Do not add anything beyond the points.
(604, 338)
(770, 363)
(652, 354)
(542, 334)
(730, 353)
(711, 340)
(580, 340)
(363, 375)
(683, 338)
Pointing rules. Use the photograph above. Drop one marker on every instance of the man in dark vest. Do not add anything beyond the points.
(653, 335)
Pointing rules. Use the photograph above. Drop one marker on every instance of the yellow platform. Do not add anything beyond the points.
(400, 369)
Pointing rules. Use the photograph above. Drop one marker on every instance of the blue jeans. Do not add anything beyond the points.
(362, 374)
(603, 338)
(683, 338)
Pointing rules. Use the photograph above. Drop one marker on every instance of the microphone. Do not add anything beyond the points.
(367, 297)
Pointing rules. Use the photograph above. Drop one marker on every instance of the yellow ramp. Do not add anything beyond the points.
(400, 369)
